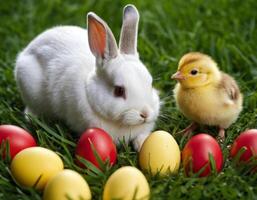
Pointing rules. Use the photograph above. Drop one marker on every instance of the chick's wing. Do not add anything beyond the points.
(230, 86)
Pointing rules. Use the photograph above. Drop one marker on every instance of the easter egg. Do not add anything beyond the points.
(126, 183)
(196, 154)
(160, 154)
(96, 139)
(67, 184)
(34, 166)
(17, 138)
(247, 140)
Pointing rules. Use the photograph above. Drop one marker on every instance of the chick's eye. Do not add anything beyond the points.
(194, 72)
(119, 91)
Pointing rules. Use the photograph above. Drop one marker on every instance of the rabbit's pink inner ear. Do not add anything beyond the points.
(97, 37)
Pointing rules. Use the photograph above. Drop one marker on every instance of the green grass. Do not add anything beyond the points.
(225, 29)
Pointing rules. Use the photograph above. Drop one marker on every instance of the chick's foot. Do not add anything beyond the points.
(221, 136)
(188, 130)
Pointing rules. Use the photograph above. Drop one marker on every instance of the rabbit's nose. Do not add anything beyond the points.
(144, 114)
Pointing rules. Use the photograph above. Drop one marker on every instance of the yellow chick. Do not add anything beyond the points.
(206, 95)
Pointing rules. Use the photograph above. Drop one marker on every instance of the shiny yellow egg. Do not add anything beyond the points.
(160, 154)
(126, 183)
(67, 184)
(33, 167)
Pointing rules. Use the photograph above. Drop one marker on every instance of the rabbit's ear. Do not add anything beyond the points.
(128, 38)
(101, 40)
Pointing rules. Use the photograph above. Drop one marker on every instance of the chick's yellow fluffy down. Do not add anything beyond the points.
(204, 94)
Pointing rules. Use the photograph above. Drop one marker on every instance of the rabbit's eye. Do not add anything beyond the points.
(119, 91)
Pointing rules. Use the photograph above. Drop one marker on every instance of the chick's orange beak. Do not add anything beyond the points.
(178, 76)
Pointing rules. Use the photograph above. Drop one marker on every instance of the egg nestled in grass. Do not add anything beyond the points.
(67, 184)
(160, 154)
(17, 138)
(198, 154)
(246, 142)
(35, 166)
(96, 141)
(127, 183)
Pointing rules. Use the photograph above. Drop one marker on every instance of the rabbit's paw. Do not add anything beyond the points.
(139, 140)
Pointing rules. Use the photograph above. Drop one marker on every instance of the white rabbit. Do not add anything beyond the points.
(80, 76)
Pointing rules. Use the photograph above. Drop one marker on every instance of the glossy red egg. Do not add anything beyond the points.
(17, 138)
(102, 143)
(195, 154)
(248, 140)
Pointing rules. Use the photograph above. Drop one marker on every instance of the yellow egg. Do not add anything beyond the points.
(33, 167)
(160, 154)
(126, 183)
(67, 184)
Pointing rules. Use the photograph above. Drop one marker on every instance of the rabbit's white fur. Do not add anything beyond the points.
(59, 77)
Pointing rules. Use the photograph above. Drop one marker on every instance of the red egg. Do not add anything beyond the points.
(103, 145)
(17, 138)
(248, 140)
(195, 155)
